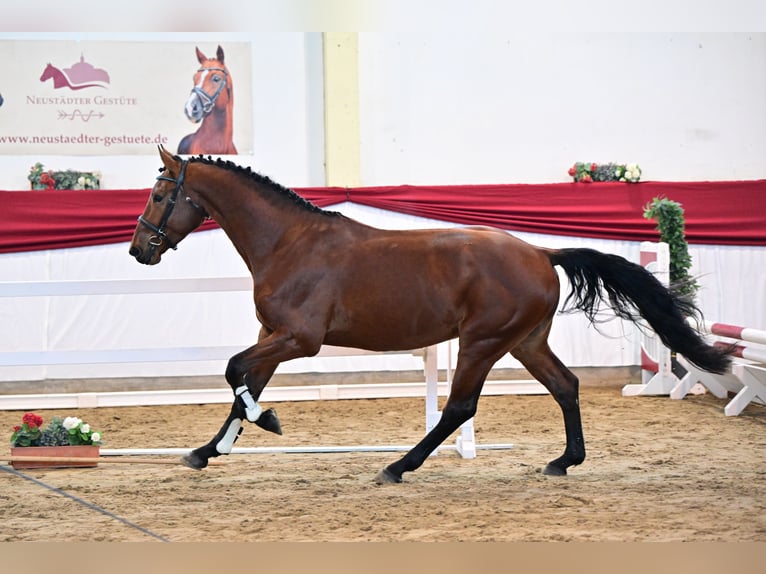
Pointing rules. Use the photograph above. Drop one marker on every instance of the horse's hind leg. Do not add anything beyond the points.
(460, 406)
(542, 364)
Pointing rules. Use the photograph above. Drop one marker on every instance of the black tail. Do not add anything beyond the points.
(630, 288)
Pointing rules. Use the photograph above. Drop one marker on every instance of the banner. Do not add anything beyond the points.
(99, 98)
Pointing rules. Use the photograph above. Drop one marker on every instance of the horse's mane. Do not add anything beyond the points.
(261, 180)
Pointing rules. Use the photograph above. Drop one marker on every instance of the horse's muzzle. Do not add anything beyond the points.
(194, 109)
(141, 257)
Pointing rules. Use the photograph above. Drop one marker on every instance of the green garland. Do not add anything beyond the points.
(670, 223)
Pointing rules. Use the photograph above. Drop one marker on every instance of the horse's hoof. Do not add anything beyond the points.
(551, 470)
(385, 476)
(269, 421)
(194, 461)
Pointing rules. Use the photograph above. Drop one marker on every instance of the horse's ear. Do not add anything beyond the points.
(219, 54)
(167, 158)
(200, 56)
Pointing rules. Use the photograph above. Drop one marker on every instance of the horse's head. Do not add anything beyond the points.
(212, 87)
(48, 72)
(169, 215)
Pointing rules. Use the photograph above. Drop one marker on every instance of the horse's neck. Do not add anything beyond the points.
(218, 127)
(257, 226)
(59, 79)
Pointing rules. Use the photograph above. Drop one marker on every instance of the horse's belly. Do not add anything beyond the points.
(393, 328)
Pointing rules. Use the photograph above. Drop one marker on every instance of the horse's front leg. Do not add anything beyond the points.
(221, 443)
(248, 373)
(244, 408)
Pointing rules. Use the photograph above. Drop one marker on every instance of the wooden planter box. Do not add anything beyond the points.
(65, 453)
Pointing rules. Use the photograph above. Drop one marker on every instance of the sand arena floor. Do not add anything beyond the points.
(657, 470)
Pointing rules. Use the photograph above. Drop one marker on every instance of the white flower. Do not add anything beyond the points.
(85, 428)
(634, 172)
(81, 180)
(71, 423)
(95, 437)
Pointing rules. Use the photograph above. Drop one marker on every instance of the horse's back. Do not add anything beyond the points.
(483, 250)
(473, 253)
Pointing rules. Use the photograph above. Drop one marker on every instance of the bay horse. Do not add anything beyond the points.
(322, 278)
(211, 102)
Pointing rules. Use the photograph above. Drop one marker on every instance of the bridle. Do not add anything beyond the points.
(208, 101)
(161, 230)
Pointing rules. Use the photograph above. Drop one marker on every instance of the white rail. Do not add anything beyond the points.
(133, 287)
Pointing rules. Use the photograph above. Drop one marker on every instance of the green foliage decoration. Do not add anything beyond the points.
(671, 225)
(55, 434)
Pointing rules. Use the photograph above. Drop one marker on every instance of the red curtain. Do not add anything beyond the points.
(721, 212)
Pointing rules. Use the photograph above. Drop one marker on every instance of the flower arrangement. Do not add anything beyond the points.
(40, 178)
(590, 172)
(70, 431)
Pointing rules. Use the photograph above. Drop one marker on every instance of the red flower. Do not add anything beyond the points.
(47, 180)
(593, 167)
(16, 428)
(587, 178)
(32, 420)
(572, 171)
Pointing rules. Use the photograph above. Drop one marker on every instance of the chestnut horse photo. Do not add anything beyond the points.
(211, 102)
(322, 278)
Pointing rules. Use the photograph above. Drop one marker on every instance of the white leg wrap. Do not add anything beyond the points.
(225, 445)
(252, 409)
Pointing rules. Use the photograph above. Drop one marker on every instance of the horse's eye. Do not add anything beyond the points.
(156, 198)
(216, 79)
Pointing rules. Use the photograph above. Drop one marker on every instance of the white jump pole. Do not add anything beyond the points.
(292, 449)
(657, 377)
(746, 378)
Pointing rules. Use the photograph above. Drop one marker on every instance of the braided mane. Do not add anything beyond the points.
(263, 181)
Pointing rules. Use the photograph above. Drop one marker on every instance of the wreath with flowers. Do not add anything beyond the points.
(40, 178)
(590, 172)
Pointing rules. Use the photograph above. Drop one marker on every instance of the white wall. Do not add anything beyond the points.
(445, 108)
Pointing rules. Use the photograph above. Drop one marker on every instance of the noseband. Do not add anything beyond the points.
(161, 229)
(208, 101)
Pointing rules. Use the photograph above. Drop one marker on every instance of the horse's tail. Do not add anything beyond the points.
(634, 293)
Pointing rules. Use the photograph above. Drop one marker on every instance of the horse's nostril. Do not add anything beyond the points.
(134, 251)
